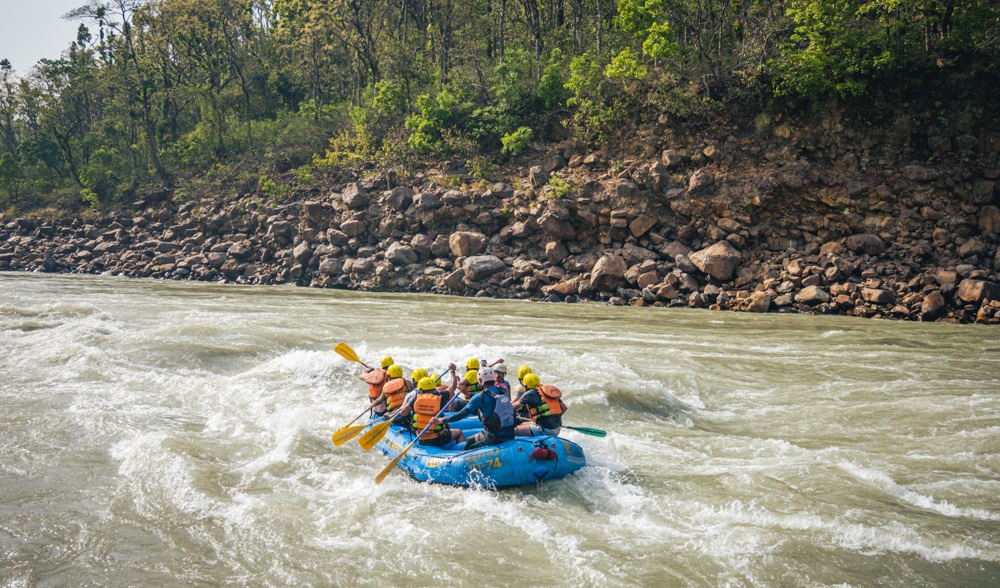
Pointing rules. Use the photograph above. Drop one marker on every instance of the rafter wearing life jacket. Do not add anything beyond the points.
(375, 380)
(394, 391)
(550, 403)
(425, 407)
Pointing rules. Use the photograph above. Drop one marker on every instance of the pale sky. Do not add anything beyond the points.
(33, 29)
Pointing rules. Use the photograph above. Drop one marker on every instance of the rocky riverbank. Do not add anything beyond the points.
(811, 218)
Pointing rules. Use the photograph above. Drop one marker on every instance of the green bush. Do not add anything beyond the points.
(515, 143)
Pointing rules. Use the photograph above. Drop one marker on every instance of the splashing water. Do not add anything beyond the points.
(167, 433)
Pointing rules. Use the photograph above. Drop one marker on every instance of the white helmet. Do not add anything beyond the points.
(487, 375)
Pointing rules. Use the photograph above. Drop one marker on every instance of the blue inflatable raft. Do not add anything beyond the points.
(511, 463)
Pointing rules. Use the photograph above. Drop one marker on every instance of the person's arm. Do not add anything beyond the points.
(469, 408)
(563, 406)
(496, 362)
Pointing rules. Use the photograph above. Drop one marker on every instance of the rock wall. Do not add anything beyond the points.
(784, 219)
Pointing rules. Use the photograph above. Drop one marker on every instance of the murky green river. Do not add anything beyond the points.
(163, 433)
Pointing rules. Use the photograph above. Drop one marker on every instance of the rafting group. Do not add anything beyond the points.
(528, 409)
(477, 426)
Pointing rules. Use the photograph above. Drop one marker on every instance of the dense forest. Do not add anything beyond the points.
(253, 92)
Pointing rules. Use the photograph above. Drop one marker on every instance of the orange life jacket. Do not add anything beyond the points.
(550, 402)
(375, 380)
(426, 406)
(394, 391)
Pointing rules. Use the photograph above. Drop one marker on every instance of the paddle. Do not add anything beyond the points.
(588, 431)
(347, 353)
(376, 433)
(584, 430)
(347, 432)
(385, 471)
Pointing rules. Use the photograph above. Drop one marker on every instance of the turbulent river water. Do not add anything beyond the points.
(166, 433)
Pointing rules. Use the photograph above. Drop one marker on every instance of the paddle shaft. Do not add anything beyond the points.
(583, 430)
(385, 471)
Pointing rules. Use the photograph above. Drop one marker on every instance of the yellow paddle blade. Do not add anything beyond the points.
(385, 471)
(374, 435)
(346, 352)
(346, 434)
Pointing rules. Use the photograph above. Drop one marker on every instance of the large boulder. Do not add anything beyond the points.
(608, 273)
(812, 295)
(931, 306)
(427, 201)
(865, 243)
(353, 228)
(989, 220)
(975, 291)
(480, 267)
(556, 225)
(466, 243)
(556, 251)
(400, 198)
(700, 180)
(719, 260)
(400, 254)
(355, 196)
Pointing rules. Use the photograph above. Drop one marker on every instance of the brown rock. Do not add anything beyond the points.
(865, 243)
(355, 196)
(719, 260)
(975, 291)
(538, 177)
(454, 280)
(313, 211)
(758, 302)
(989, 220)
(729, 225)
(932, 306)
(608, 273)
(812, 295)
(700, 180)
(877, 296)
(641, 225)
(353, 228)
(466, 243)
(831, 248)
(480, 267)
(556, 225)
(672, 158)
(556, 251)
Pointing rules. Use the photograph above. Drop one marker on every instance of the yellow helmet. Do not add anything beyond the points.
(418, 374)
(395, 371)
(472, 377)
(426, 383)
(387, 361)
(531, 381)
(472, 364)
(521, 371)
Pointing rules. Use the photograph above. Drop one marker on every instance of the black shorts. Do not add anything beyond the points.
(443, 439)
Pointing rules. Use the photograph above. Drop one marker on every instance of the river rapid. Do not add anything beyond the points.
(175, 433)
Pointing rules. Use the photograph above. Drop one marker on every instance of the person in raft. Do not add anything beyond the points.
(502, 383)
(518, 390)
(393, 393)
(376, 380)
(424, 403)
(415, 377)
(544, 404)
(494, 410)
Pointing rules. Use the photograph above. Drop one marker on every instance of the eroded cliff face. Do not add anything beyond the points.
(895, 217)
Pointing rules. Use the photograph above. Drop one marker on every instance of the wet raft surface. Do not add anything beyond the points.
(504, 465)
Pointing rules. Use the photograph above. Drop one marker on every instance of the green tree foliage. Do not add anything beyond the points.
(155, 92)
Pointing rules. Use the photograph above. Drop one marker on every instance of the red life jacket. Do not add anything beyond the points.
(394, 391)
(550, 402)
(375, 379)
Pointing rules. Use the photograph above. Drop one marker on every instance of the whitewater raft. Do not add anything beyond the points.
(511, 463)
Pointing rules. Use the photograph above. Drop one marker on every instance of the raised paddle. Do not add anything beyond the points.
(376, 433)
(347, 353)
(385, 471)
